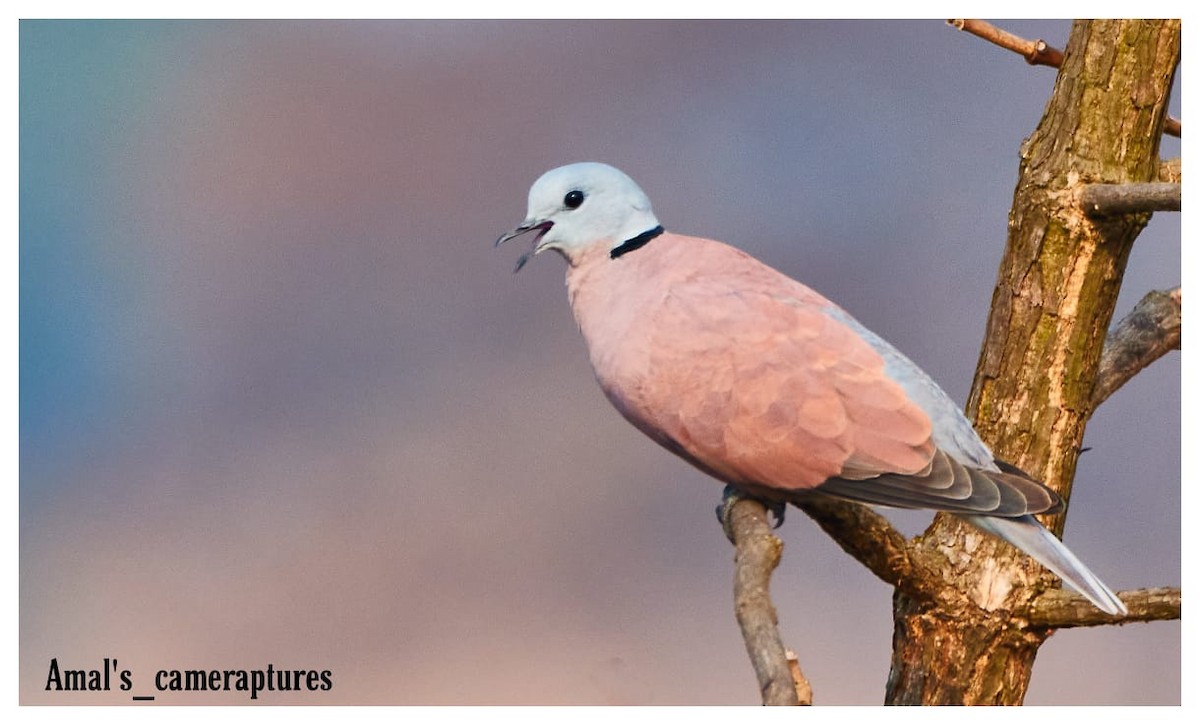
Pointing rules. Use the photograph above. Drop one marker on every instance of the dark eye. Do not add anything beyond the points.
(573, 199)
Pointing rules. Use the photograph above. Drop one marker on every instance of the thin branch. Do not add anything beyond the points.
(1061, 609)
(1152, 329)
(1099, 200)
(758, 552)
(1035, 52)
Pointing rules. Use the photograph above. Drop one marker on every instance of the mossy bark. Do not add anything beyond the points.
(1054, 299)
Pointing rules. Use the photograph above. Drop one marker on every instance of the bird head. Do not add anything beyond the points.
(576, 207)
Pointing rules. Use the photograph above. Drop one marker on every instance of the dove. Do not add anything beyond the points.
(763, 383)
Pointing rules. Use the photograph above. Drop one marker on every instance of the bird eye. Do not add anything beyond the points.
(573, 199)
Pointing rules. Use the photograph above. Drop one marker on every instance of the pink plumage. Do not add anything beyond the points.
(787, 403)
(763, 383)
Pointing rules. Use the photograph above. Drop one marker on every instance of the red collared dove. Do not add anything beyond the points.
(763, 383)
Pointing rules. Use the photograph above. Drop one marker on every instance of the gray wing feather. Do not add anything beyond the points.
(950, 486)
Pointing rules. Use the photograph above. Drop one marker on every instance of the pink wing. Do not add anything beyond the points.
(762, 388)
(768, 389)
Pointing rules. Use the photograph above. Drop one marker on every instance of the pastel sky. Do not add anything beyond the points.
(281, 401)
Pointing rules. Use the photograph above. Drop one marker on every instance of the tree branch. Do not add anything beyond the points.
(1152, 329)
(758, 552)
(1035, 52)
(1100, 200)
(1061, 609)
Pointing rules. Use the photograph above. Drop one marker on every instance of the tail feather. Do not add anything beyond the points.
(1025, 533)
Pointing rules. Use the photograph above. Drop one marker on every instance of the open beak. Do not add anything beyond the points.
(541, 228)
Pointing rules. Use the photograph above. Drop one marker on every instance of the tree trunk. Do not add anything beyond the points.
(1054, 299)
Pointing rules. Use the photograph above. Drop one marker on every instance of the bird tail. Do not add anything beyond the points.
(1025, 533)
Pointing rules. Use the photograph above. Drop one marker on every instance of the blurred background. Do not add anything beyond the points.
(281, 401)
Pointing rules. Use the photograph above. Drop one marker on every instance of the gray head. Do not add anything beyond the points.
(576, 207)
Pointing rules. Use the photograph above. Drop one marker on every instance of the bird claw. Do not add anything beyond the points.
(732, 495)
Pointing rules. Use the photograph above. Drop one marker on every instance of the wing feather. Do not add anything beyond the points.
(951, 486)
(782, 394)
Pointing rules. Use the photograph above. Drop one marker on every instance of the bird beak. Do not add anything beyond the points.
(540, 227)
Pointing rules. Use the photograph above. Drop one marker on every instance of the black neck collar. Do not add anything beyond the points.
(637, 242)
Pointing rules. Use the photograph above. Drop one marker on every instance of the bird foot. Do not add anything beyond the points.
(731, 496)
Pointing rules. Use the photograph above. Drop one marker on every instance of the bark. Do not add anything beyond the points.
(1032, 396)
(1100, 200)
(1152, 329)
(1062, 610)
(1171, 171)
(758, 552)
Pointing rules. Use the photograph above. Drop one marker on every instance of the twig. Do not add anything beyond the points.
(1151, 329)
(1035, 52)
(1099, 200)
(1061, 609)
(758, 552)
